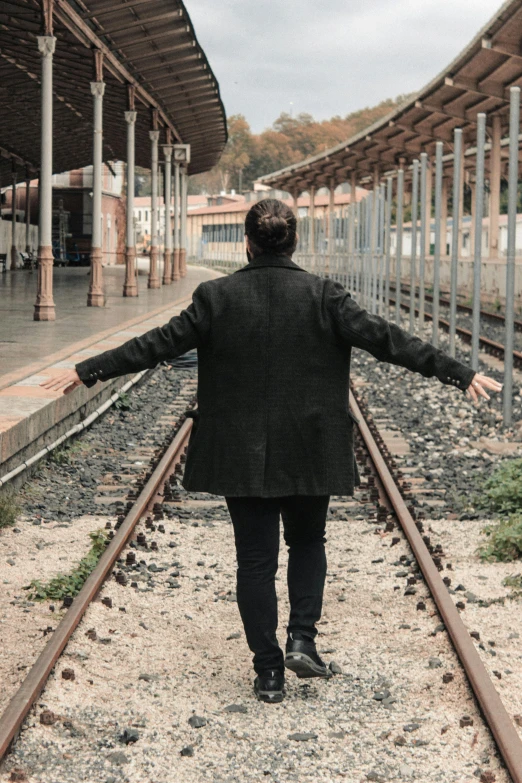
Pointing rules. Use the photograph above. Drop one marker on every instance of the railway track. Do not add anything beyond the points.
(492, 347)
(497, 318)
(387, 492)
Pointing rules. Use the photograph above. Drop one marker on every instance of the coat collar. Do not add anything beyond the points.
(270, 259)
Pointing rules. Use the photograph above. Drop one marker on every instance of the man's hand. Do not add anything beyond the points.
(478, 385)
(67, 380)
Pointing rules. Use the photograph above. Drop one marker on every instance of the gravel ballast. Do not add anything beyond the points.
(162, 685)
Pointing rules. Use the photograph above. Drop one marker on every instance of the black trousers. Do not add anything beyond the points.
(256, 533)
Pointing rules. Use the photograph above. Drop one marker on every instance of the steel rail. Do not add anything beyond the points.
(496, 715)
(492, 347)
(460, 306)
(34, 682)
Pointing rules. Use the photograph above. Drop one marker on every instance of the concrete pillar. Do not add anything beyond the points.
(175, 257)
(331, 228)
(44, 306)
(429, 189)
(461, 206)
(473, 187)
(311, 215)
(14, 252)
(494, 187)
(167, 263)
(183, 223)
(95, 297)
(154, 281)
(373, 240)
(130, 286)
(27, 213)
(444, 219)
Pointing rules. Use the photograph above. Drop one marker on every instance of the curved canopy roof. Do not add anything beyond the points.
(147, 44)
(478, 80)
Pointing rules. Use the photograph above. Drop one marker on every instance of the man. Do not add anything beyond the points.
(273, 432)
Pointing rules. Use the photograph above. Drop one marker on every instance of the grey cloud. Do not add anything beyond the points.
(329, 57)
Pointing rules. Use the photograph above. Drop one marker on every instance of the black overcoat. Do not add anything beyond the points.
(274, 345)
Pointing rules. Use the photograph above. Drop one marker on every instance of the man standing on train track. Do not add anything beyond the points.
(273, 432)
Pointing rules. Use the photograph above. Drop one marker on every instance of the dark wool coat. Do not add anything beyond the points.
(274, 345)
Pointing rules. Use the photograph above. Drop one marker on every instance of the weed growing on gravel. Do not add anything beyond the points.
(9, 507)
(123, 403)
(70, 584)
(62, 456)
(502, 491)
(504, 542)
(513, 580)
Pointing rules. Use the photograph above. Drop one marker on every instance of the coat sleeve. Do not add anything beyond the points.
(388, 342)
(185, 331)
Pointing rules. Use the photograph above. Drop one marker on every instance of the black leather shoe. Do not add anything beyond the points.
(302, 658)
(269, 686)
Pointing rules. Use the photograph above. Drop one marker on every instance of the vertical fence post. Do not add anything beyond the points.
(387, 242)
(368, 260)
(413, 257)
(477, 228)
(357, 245)
(439, 147)
(425, 207)
(457, 187)
(400, 200)
(382, 213)
(351, 244)
(514, 130)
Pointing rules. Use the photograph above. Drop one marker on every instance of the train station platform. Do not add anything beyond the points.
(32, 417)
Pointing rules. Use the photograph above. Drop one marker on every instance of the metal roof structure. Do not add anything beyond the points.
(149, 45)
(478, 80)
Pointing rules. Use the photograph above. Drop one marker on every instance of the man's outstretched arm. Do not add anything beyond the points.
(182, 333)
(389, 343)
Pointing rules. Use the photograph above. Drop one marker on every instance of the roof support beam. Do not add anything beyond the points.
(166, 50)
(414, 128)
(473, 85)
(65, 13)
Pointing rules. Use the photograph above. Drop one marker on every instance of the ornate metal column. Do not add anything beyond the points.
(27, 212)
(175, 257)
(130, 287)
(154, 281)
(44, 307)
(183, 238)
(95, 297)
(14, 252)
(182, 157)
(167, 264)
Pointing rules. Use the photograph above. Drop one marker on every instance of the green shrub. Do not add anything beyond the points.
(502, 491)
(123, 403)
(70, 584)
(504, 542)
(9, 507)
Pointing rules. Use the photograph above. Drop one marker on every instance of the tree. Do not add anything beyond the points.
(289, 140)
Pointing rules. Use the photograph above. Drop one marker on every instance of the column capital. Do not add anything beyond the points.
(46, 45)
(154, 136)
(167, 151)
(97, 89)
(130, 117)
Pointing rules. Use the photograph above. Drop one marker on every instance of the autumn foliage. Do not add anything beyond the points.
(247, 156)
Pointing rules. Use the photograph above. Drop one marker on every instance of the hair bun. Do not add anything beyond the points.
(273, 229)
(271, 225)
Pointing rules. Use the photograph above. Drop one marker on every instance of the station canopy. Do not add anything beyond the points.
(149, 44)
(478, 80)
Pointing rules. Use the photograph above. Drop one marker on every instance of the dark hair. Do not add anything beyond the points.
(271, 226)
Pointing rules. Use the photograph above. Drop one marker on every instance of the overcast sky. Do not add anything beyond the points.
(328, 57)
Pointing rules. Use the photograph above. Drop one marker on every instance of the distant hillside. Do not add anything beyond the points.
(247, 156)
